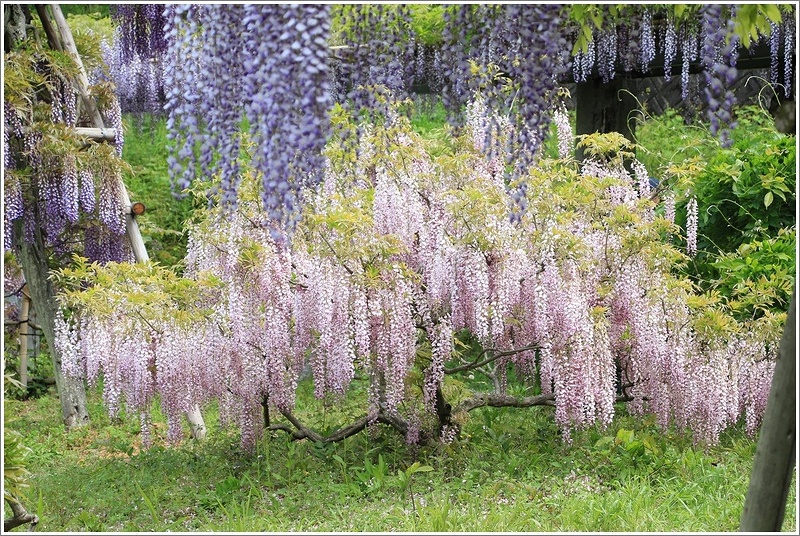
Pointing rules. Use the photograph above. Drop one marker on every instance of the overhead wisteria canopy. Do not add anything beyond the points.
(213, 67)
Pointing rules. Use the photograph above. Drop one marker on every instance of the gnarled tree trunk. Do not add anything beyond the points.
(33, 258)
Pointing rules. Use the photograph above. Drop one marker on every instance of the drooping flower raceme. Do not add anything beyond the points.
(691, 227)
(276, 61)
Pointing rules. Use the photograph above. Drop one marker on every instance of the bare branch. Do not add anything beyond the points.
(21, 516)
(479, 363)
(296, 434)
(301, 431)
(307, 432)
(335, 254)
(497, 400)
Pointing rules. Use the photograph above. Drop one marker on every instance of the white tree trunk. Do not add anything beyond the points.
(196, 423)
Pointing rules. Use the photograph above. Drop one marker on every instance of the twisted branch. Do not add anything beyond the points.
(477, 362)
(21, 516)
(301, 431)
(497, 400)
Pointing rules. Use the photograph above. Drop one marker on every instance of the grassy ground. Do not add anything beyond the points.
(509, 472)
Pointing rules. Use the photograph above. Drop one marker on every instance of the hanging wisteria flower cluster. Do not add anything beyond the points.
(708, 36)
(185, 60)
(392, 265)
(136, 57)
(66, 193)
(379, 55)
(273, 72)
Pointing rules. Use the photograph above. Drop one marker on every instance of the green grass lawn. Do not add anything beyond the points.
(510, 472)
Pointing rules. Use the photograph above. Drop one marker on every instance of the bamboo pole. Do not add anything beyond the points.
(49, 31)
(135, 236)
(97, 134)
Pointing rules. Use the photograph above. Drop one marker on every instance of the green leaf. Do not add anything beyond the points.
(603, 441)
(417, 468)
(624, 436)
(768, 199)
(772, 12)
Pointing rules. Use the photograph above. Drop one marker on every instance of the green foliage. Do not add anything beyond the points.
(89, 30)
(15, 472)
(427, 21)
(384, 15)
(746, 191)
(758, 277)
(24, 83)
(610, 147)
(40, 373)
(746, 198)
(588, 17)
(666, 140)
(627, 452)
(753, 20)
(429, 120)
(94, 11)
(146, 291)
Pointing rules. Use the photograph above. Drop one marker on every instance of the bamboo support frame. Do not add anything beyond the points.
(97, 134)
(135, 236)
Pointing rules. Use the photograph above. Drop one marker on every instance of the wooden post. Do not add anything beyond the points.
(194, 416)
(773, 466)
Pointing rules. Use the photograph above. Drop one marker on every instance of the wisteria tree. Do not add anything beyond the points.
(404, 281)
(62, 192)
(406, 285)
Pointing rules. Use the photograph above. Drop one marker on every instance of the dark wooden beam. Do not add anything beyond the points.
(605, 107)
